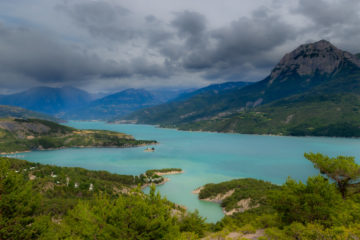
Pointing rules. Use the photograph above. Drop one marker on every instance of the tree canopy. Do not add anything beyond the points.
(342, 169)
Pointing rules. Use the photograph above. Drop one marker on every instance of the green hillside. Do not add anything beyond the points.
(48, 202)
(36, 134)
(318, 115)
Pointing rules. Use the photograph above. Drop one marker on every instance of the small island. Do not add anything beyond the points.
(148, 149)
(20, 135)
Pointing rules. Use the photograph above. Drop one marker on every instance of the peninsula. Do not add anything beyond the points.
(238, 195)
(156, 175)
(19, 135)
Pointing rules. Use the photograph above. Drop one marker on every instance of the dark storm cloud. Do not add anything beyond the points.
(187, 44)
(31, 55)
(102, 19)
(327, 14)
(337, 21)
(113, 22)
(191, 26)
(240, 47)
(132, 42)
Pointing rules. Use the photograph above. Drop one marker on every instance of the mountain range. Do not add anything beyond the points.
(74, 103)
(48, 100)
(115, 105)
(313, 90)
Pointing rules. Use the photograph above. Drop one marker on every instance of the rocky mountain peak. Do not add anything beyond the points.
(320, 57)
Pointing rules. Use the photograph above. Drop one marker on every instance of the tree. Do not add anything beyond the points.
(133, 216)
(193, 222)
(343, 170)
(18, 205)
(316, 201)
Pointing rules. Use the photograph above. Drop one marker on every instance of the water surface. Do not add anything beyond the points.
(205, 157)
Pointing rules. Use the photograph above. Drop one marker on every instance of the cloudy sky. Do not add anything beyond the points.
(109, 45)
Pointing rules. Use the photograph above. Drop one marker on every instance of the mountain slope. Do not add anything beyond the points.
(115, 105)
(189, 106)
(17, 112)
(318, 115)
(48, 100)
(215, 88)
(303, 78)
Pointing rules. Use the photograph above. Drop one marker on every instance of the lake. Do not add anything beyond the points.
(205, 157)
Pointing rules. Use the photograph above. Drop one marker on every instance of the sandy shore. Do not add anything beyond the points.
(198, 190)
(168, 173)
(160, 183)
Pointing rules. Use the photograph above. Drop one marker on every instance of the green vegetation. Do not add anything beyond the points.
(154, 176)
(311, 115)
(151, 172)
(62, 186)
(307, 211)
(48, 202)
(36, 134)
(343, 170)
(247, 188)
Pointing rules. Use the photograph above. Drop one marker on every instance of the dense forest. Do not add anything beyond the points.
(47, 202)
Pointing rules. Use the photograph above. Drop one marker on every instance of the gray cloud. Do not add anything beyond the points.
(127, 43)
(337, 21)
(241, 47)
(191, 26)
(102, 19)
(33, 55)
(328, 14)
(27, 54)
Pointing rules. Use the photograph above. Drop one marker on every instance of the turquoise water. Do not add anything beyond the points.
(205, 157)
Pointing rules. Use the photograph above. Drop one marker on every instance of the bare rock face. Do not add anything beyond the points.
(320, 57)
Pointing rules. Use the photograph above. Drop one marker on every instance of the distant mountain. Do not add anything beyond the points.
(313, 90)
(114, 105)
(186, 106)
(17, 112)
(167, 94)
(213, 88)
(48, 100)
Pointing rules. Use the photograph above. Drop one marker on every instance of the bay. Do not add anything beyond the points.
(205, 157)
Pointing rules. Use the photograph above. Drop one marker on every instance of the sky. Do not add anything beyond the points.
(110, 45)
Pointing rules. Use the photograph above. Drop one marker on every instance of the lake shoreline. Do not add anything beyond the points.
(236, 133)
(77, 147)
(206, 158)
